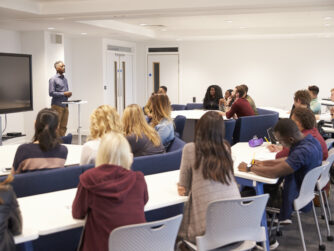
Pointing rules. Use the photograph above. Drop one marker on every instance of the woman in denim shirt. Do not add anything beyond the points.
(161, 119)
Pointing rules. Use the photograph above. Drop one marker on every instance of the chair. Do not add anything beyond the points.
(329, 143)
(152, 236)
(229, 129)
(179, 122)
(306, 195)
(235, 221)
(177, 107)
(175, 145)
(67, 139)
(193, 106)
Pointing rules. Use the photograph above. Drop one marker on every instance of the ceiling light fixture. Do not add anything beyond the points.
(83, 33)
(328, 18)
(242, 27)
(228, 21)
(143, 24)
(51, 28)
(327, 24)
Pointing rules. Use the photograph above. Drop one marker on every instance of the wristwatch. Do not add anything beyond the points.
(249, 167)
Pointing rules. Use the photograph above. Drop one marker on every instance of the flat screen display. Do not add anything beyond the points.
(15, 83)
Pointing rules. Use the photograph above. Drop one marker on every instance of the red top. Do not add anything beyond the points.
(241, 107)
(315, 133)
(110, 196)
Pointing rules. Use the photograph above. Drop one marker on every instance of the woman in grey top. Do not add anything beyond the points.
(10, 216)
(206, 174)
(143, 139)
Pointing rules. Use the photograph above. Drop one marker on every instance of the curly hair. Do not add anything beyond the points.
(218, 93)
(103, 120)
(305, 117)
(303, 96)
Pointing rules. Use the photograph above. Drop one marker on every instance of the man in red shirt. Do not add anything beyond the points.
(241, 106)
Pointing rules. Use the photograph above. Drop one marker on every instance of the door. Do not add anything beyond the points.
(163, 70)
(118, 90)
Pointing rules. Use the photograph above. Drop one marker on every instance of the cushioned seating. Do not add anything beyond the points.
(247, 127)
(229, 129)
(158, 163)
(175, 145)
(45, 181)
(177, 107)
(264, 111)
(67, 139)
(179, 123)
(193, 106)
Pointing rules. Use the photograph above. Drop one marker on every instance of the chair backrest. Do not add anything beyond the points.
(306, 193)
(249, 126)
(264, 111)
(324, 176)
(175, 145)
(229, 129)
(158, 163)
(67, 139)
(234, 220)
(151, 236)
(329, 143)
(179, 123)
(177, 107)
(193, 106)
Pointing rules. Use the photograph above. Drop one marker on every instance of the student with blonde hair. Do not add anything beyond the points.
(143, 139)
(103, 120)
(10, 216)
(109, 195)
(161, 118)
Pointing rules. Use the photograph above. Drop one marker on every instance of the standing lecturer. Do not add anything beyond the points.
(58, 90)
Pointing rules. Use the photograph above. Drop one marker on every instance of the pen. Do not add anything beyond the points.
(253, 160)
(266, 139)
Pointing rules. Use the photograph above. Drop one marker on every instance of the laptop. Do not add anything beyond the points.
(271, 136)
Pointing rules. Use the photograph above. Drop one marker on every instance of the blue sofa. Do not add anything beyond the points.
(193, 106)
(177, 107)
(229, 130)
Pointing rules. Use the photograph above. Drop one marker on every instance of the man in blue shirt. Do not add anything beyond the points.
(305, 154)
(58, 90)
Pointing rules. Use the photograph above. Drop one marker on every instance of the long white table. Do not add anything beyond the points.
(282, 114)
(52, 212)
(7, 154)
(327, 102)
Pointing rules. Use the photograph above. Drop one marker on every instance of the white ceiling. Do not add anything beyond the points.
(172, 19)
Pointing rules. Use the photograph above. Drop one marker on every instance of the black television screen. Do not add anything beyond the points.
(15, 83)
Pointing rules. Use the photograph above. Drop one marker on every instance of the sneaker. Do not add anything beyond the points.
(283, 222)
(273, 244)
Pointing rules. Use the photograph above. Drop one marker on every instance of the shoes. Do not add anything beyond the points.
(273, 244)
(283, 222)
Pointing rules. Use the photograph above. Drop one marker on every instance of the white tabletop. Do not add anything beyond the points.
(75, 102)
(327, 102)
(243, 152)
(51, 212)
(282, 114)
(7, 154)
(26, 235)
(190, 114)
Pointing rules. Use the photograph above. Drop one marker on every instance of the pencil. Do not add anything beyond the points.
(266, 139)
(253, 160)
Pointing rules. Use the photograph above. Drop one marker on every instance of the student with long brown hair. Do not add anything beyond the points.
(161, 118)
(206, 174)
(45, 152)
(143, 139)
(10, 216)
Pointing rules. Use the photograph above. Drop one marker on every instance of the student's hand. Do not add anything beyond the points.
(181, 190)
(274, 148)
(221, 113)
(222, 101)
(242, 167)
(68, 94)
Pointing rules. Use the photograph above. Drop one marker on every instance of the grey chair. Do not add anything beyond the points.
(306, 195)
(236, 222)
(151, 236)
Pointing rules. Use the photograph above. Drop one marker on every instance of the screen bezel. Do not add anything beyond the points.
(20, 109)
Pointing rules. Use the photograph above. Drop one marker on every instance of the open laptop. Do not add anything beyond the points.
(271, 135)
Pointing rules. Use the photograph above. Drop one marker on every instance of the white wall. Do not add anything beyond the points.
(272, 69)
(11, 43)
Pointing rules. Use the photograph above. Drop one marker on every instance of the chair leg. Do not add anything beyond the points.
(301, 230)
(331, 222)
(321, 245)
(323, 207)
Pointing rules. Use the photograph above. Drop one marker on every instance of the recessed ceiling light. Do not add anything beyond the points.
(228, 21)
(242, 27)
(51, 28)
(327, 24)
(143, 24)
(83, 33)
(328, 18)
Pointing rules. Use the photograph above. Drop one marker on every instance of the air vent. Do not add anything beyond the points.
(119, 48)
(56, 38)
(163, 49)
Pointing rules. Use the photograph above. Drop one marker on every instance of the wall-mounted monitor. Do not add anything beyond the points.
(15, 83)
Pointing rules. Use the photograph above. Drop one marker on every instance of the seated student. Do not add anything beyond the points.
(206, 174)
(143, 139)
(103, 120)
(241, 106)
(148, 107)
(109, 195)
(305, 120)
(229, 98)
(314, 104)
(305, 154)
(249, 99)
(162, 90)
(10, 216)
(161, 120)
(45, 152)
(328, 113)
(212, 99)
(302, 98)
